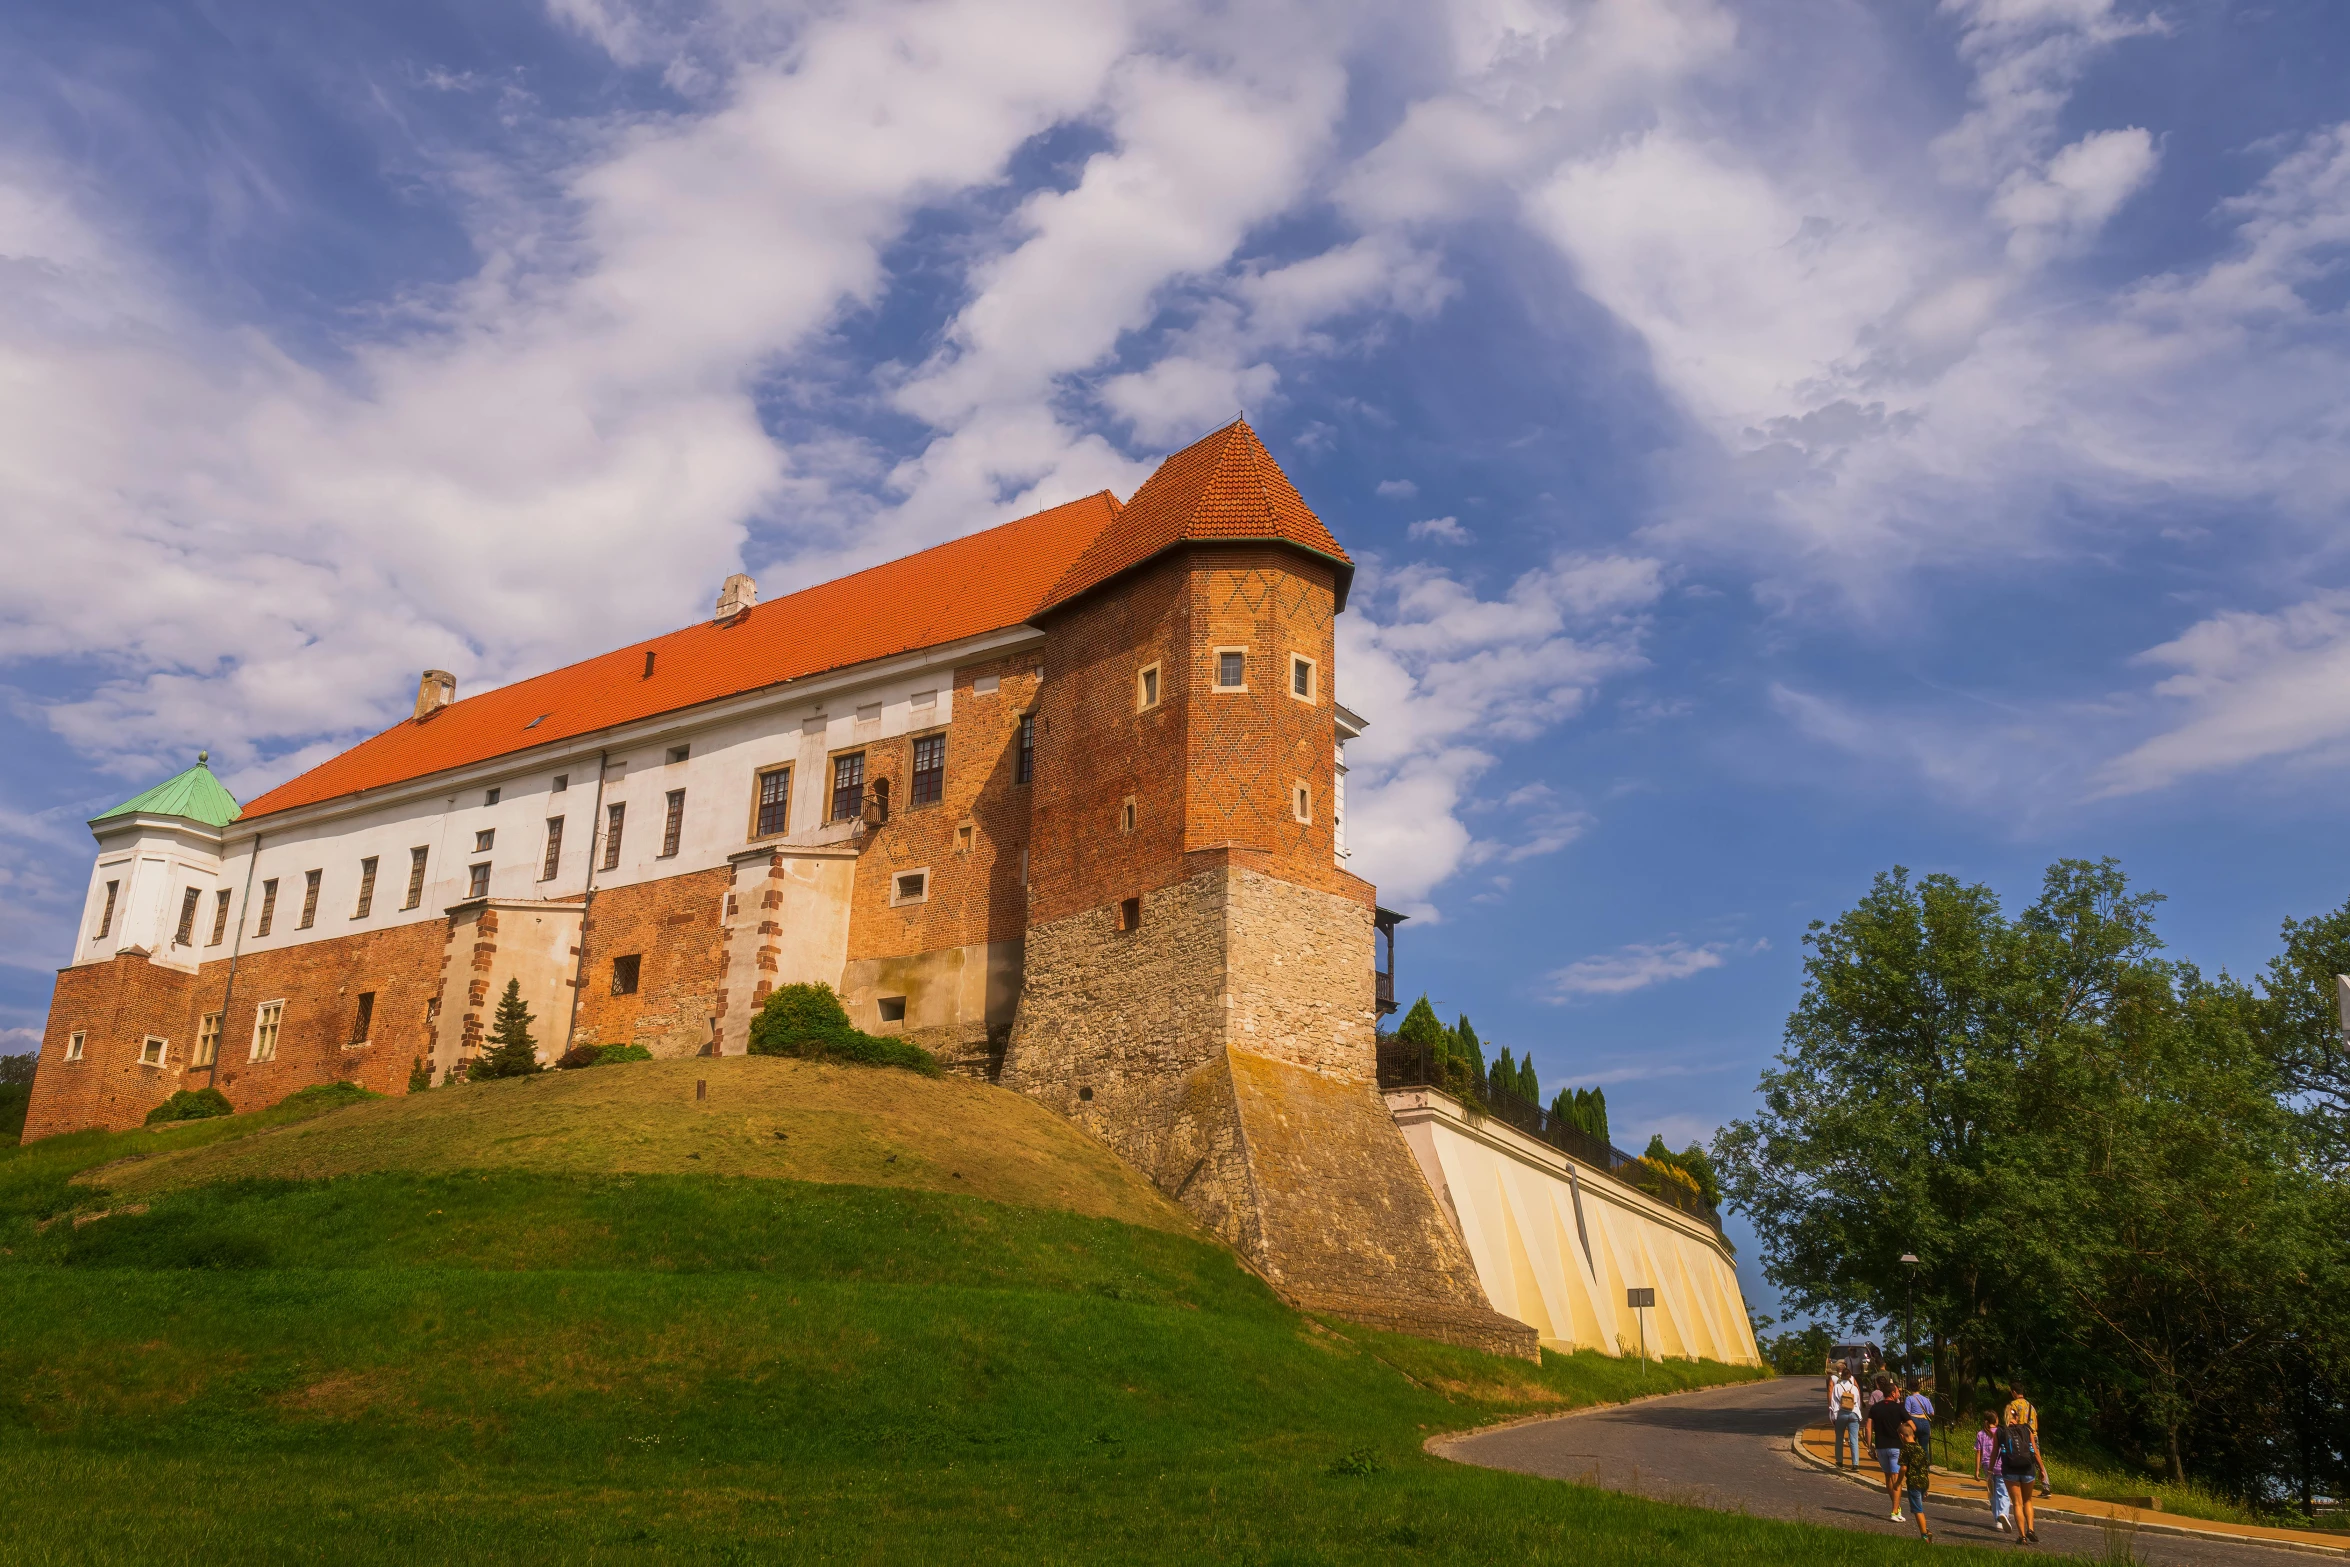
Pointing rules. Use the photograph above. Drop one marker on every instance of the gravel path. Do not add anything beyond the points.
(1728, 1448)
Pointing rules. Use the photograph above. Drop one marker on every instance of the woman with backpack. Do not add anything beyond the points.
(1844, 1413)
(2019, 1461)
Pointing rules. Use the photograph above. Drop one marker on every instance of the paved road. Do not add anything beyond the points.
(1728, 1449)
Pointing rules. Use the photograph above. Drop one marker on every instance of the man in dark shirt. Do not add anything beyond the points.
(1886, 1418)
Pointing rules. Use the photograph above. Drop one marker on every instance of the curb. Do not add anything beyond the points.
(1435, 1445)
(2137, 1520)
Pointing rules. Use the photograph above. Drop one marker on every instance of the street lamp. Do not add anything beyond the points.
(1909, 1353)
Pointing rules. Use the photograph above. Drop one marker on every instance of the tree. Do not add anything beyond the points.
(419, 1075)
(512, 1052)
(1690, 1161)
(1583, 1108)
(2301, 1027)
(1454, 1056)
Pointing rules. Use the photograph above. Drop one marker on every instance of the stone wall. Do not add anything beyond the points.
(676, 929)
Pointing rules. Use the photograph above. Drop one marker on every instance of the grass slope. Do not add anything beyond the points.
(530, 1362)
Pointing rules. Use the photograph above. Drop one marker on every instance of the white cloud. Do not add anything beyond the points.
(1397, 489)
(1638, 966)
(1444, 677)
(1441, 530)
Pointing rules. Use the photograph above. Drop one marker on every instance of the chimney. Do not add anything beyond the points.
(738, 594)
(435, 691)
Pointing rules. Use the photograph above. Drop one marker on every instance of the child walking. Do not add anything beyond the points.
(1916, 1475)
(1987, 1467)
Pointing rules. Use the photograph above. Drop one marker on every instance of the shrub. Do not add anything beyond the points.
(419, 1075)
(601, 1055)
(809, 1021)
(191, 1104)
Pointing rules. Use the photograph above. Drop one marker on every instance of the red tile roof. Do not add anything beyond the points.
(964, 588)
(1225, 488)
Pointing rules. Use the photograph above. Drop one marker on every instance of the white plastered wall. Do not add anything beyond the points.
(1516, 1199)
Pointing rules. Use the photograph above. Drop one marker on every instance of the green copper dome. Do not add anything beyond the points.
(195, 794)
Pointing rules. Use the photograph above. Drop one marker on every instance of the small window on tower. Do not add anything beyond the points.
(910, 887)
(1126, 815)
(1301, 802)
(73, 1045)
(185, 936)
(106, 919)
(1232, 669)
(624, 973)
(1303, 677)
(1146, 689)
(151, 1050)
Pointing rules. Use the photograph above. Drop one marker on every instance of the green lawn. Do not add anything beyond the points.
(516, 1365)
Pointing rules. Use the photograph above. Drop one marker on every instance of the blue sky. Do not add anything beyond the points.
(1781, 442)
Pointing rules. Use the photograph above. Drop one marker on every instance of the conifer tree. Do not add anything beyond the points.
(1505, 1071)
(512, 1052)
(419, 1076)
(1529, 1086)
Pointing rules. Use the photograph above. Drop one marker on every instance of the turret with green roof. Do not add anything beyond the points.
(194, 794)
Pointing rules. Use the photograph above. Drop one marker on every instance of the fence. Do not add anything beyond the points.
(1403, 1064)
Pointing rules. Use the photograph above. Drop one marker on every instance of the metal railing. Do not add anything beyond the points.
(1406, 1065)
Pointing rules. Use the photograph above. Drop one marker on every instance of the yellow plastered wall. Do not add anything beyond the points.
(1515, 1201)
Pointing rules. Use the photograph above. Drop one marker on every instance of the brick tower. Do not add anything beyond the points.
(1198, 966)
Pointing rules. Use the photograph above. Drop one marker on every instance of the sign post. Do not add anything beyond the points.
(1640, 1300)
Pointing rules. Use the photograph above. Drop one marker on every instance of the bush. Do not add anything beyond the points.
(191, 1104)
(419, 1075)
(16, 1094)
(601, 1055)
(808, 1021)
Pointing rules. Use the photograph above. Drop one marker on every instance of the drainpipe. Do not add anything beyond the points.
(236, 945)
(587, 901)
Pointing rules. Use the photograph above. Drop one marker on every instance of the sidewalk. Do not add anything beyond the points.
(1818, 1444)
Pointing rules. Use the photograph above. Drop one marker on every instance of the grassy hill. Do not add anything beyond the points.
(525, 1321)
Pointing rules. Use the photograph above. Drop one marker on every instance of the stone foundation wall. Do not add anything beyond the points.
(960, 1002)
(676, 929)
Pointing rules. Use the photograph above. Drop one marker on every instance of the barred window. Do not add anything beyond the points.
(309, 899)
(624, 973)
(416, 858)
(1024, 756)
(554, 859)
(268, 906)
(185, 936)
(848, 785)
(219, 918)
(673, 825)
(106, 919)
(774, 803)
(366, 888)
(930, 770)
(363, 1020)
(615, 816)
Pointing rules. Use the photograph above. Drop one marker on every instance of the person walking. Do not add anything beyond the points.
(1917, 1473)
(1887, 1420)
(1987, 1467)
(1844, 1412)
(2019, 1462)
(1921, 1409)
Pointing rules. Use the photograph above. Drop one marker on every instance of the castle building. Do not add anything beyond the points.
(1062, 801)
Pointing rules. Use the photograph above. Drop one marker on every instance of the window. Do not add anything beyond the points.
(106, 918)
(366, 888)
(909, 887)
(268, 906)
(363, 1019)
(207, 1041)
(624, 973)
(615, 818)
(1232, 669)
(930, 770)
(1301, 677)
(483, 839)
(219, 918)
(963, 836)
(1301, 802)
(265, 1027)
(774, 811)
(309, 899)
(554, 859)
(1024, 755)
(478, 882)
(848, 786)
(1146, 689)
(678, 753)
(73, 1045)
(893, 1009)
(416, 857)
(562, 782)
(491, 798)
(151, 1050)
(185, 936)
(673, 826)
(1130, 914)
(1126, 815)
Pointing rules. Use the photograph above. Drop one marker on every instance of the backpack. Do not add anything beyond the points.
(2015, 1447)
(1845, 1402)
